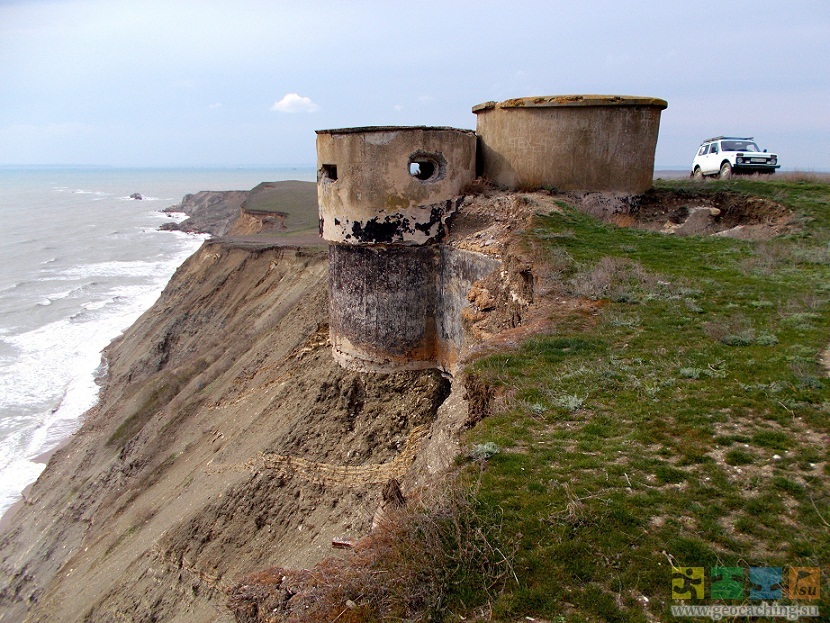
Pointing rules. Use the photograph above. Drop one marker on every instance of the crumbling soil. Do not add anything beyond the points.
(208, 211)
(228, 441)
(690, 212)
(252, 222)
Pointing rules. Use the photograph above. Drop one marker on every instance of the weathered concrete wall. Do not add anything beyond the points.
(382, 306)
(370, 190)
(384, 195)
(571, 142)
(458, 271)
(399, 307)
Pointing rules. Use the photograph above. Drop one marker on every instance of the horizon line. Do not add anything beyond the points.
(155, 166)
(207, 167)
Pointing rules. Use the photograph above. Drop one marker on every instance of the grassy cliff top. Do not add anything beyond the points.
(683, 420)
(669, 428)
(296, 199)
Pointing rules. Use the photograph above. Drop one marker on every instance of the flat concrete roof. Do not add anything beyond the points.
(392, 128)
(550, 101)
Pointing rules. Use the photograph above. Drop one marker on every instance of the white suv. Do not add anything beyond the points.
(725, 155)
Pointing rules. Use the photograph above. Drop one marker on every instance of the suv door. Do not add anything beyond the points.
(700, 158)
(712, 159)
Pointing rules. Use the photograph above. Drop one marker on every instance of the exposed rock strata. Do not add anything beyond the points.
(209, 211)
(252, 222)
(228, 440)
(271, 207)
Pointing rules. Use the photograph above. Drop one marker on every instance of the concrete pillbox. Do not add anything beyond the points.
(570, 142)
(389, 184)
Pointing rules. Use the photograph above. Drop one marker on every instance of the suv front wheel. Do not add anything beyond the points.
(698, 174)
(725, 171)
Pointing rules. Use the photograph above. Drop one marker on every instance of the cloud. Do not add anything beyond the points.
(292, 102)
(215, 105)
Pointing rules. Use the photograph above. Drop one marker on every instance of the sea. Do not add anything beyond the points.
(80, 261)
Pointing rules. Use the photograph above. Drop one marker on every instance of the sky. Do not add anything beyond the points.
(151, 83)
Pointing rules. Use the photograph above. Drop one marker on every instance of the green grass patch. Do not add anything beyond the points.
(296, 199)
(153, 396)
(156, 396)
(683, 428)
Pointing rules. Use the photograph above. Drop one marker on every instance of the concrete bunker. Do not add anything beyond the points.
(570, 142)
(391, 185)
(399, 307)
(384, 195)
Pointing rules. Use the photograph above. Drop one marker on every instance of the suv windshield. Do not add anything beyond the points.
(739, 146)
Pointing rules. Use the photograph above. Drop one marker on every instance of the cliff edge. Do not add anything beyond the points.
(288, 206)
(227, 440)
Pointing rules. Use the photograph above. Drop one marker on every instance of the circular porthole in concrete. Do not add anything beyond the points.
(427, 167)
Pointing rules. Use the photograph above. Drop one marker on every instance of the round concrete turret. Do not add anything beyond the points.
(386, 184)
(570, 142)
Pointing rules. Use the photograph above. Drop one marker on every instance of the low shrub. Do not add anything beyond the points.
(420, 561)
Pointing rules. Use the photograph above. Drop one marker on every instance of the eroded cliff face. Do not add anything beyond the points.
(209, 211)
(227, 439)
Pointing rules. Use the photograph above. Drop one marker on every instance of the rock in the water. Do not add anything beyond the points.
(136, 196)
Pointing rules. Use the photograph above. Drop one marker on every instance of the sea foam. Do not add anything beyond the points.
(81, 262)
(49, 382)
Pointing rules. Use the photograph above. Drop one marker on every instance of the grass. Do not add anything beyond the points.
(154, 399)
(687, 426)
(297, 200)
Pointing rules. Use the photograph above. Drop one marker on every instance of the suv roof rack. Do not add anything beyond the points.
(730, 138)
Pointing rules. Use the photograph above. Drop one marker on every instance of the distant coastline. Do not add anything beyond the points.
(59, 282)
(182, 167)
